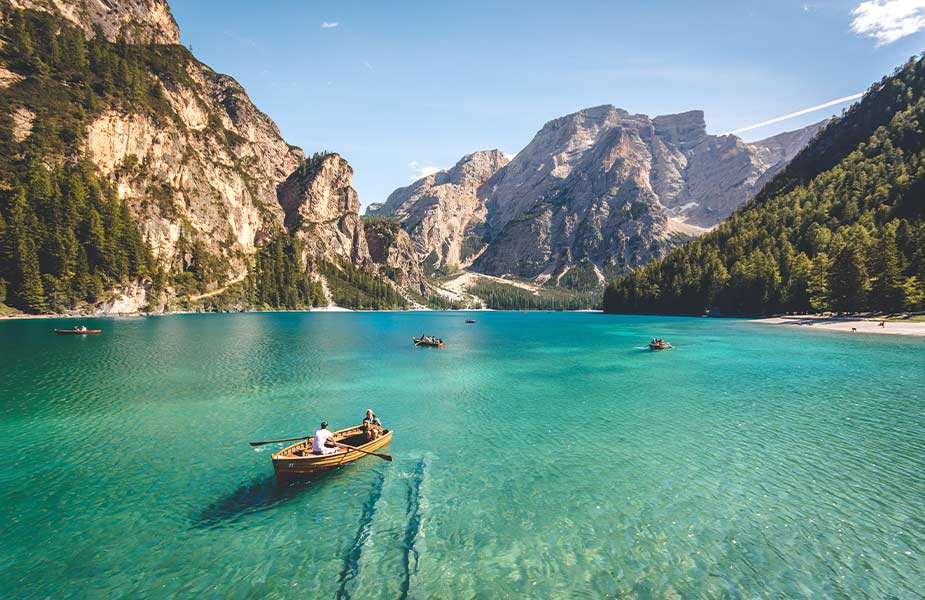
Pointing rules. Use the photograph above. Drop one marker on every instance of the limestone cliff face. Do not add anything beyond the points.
(135, 21)
(601, 188)
(444, 213)
(321, 205)
(209, 176)
(391, 248)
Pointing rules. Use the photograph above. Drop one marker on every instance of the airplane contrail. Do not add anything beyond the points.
(798, 113)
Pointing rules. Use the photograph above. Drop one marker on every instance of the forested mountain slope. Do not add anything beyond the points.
(132, 176)
(841, 228)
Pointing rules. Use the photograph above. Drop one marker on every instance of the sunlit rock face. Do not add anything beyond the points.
(601, 188)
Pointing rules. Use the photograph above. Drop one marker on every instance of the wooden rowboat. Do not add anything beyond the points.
(78, 331)
(435, 343)
(663, 345)
(297, 460)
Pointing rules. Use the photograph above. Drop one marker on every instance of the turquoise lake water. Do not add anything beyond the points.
(543, 455)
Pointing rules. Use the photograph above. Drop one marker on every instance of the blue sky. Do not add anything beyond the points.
(399, 88)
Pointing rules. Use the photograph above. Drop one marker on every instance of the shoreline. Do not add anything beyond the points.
(324, 309)
(847, 324)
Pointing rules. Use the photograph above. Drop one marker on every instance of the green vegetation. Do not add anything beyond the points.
(842, 228)
(70, 80)
(502, 296)
(279, 279)
(439, 302)
(65, 235)
(582, 277)
(64, 238)
(355, 288)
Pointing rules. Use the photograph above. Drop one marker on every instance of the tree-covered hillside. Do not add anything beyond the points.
(64, 235)
(66, 238)
(842, 228)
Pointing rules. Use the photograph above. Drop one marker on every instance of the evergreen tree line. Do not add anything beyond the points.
(280, 279)
(501, 296)
(64, 238)
(352, 287)
(848, 238)
(64, 235)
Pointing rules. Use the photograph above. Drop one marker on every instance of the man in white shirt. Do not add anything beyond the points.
(320, 438)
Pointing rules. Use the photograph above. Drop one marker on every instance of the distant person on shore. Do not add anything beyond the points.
(372, 425)
(321, 438)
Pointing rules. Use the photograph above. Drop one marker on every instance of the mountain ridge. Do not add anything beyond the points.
(600, 189)
(840, 228)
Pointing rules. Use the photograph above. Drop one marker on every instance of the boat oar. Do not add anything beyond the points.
(382, 456)
(304, 437)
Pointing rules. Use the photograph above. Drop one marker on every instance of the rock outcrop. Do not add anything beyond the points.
(444, 213)
(136, 21)
(391, 248)
(209, 175)
(321, 205)
(601, 189)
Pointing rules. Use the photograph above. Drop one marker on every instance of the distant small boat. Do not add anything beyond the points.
(297, 460)
(76, 331)
(428, 340)
(659, 345)
(470, 320)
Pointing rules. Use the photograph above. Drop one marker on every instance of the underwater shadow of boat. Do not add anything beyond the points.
(257, 495)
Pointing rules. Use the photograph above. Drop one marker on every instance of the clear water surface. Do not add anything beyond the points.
(539, 454)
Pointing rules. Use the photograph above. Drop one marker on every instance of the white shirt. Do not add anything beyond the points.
(321, 436)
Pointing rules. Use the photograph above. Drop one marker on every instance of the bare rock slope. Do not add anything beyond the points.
(594, 193)
(444, 213)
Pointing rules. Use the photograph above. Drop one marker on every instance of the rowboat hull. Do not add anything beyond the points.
(659, 346)
(297, 461)
(76, 332)
(420, 342)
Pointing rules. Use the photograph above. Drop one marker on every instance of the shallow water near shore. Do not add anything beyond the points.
(538, 454)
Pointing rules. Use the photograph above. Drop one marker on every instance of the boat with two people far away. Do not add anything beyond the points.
(470, 320)
(429, 340)
(659, 344)
(78, 330)
(297, 461)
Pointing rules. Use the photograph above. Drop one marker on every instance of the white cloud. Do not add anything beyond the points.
(888, 20)
(419, 170)
(329, 24)
(368, 66)
(798, 113)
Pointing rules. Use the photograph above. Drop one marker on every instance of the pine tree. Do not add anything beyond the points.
(847, 280)
(888, 290)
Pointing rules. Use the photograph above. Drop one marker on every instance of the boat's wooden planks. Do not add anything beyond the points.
(289, 463)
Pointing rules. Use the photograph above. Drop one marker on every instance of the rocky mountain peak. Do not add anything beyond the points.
(472, 169)
(444, 212)
(594, 193)
(684, 130)
(321, 205)
(138, 22)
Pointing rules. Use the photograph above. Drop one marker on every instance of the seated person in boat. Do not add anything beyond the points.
(372, 425)
(321, 438)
